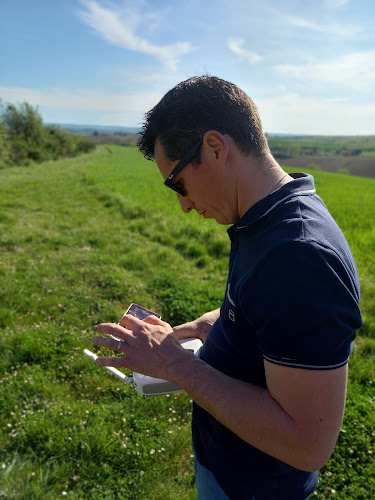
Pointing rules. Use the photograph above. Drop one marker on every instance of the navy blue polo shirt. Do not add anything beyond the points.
(292, 298)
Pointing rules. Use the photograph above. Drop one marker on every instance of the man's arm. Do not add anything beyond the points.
(198, 328)
(296, 419)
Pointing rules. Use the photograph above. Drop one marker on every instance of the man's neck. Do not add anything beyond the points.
(256, 179)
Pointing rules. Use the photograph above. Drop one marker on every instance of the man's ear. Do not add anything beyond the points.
(215, 147)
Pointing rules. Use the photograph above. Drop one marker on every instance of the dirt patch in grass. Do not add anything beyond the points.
(363, 166)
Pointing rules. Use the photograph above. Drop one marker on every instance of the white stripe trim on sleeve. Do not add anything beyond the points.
(306, 366)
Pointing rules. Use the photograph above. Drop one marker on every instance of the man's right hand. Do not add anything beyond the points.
(198, 328)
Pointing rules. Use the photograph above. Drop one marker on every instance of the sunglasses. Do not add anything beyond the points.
(182, 163)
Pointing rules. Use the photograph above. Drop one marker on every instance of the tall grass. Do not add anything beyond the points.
(81, 239)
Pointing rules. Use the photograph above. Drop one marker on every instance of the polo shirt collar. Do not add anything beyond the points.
(302, 185)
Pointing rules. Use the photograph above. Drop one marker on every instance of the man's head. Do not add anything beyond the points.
(206, 137)
(195, 106)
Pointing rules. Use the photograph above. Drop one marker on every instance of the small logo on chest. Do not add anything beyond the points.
(231, 315)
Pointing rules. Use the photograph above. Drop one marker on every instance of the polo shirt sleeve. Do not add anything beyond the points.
(304, 305)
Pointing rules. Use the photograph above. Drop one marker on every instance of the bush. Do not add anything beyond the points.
(84, 144)
(24, 138)
(4, 146)
(58, 143)
(25, 133)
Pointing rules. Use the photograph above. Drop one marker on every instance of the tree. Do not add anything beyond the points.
(26, 133)
(4, 146)
(24, 138)
(294, 149)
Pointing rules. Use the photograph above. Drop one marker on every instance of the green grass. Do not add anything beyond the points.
(312, 145)
(81, 239)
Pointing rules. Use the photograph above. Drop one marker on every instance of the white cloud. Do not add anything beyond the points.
(286, 112)
(335, 4)
(355, 70)
(236, 46)
(129, 106)
(292, 113)
(332, 28)
(119, 30)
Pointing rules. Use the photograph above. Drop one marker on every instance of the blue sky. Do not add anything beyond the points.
(309, 66)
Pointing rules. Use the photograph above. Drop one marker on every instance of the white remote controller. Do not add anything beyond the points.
(145, 385)
(150, 386)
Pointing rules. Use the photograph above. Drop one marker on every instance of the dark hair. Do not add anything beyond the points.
(196, 105)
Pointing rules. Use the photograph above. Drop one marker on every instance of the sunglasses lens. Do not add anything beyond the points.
(178, 190)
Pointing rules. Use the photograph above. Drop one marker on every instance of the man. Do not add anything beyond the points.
(269, 385)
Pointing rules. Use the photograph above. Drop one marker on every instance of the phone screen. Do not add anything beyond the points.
(140, 312)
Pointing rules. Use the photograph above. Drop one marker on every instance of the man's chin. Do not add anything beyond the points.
(225, 222)
(218, 219)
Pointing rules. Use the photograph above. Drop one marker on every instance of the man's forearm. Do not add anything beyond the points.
(249, 411)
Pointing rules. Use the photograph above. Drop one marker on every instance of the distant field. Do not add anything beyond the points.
(79, 240)
(363, 166)
(350, 155)
(300, 145)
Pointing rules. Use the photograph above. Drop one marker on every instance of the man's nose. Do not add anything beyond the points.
(186, 204)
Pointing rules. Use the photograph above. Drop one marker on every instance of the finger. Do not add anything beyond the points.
(114, 330)
(130, 321)
(154, 320)
(115, 362)
(109, 343)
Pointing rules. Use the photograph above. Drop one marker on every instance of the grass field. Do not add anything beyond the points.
(79, 240)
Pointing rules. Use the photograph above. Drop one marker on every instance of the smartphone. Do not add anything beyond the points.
(140, 312)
